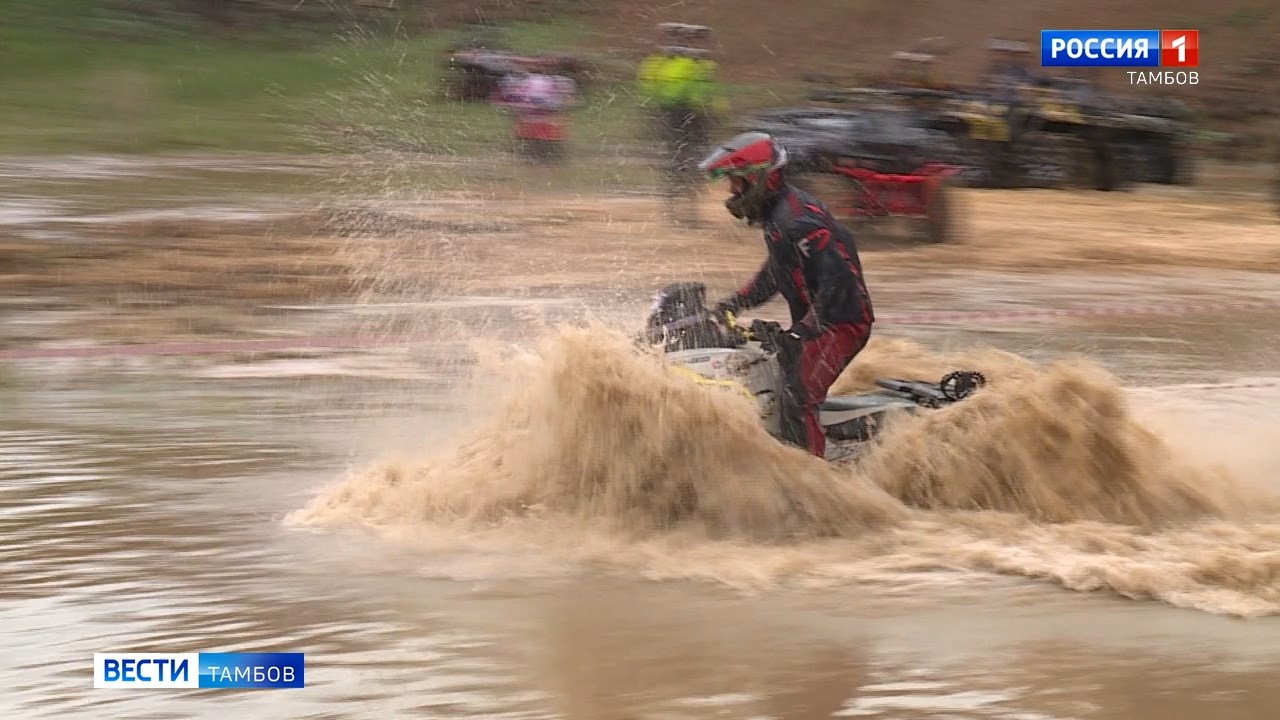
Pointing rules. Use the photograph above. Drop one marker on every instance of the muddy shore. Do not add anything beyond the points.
(176, 272)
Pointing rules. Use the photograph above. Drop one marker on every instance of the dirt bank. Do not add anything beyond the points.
(1238, 80)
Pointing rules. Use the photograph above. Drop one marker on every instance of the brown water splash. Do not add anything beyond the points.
(600, 434)
(1059, 445)
(598, 455)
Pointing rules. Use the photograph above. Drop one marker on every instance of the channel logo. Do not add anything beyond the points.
(1120, 48)
(170, 671)
(1180, 48)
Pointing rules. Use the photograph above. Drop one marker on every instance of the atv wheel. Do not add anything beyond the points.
(1184, 172)
(1173, 163)
(1045, 159)
(1082, 165)
(987, 164)
(1094, 164)
(938, 225)
(1128, 162)
(977, 172)
(1106, 168)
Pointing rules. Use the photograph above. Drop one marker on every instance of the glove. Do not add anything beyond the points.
(723, 310)
(766, 332)
(765, 328)
(773, 337)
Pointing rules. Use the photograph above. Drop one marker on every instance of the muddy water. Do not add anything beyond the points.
(149, 513)
(61, 197)
(190, 505)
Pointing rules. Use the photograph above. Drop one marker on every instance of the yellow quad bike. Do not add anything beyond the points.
(720, 353)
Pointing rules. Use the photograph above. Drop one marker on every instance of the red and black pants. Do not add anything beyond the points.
(809, 368)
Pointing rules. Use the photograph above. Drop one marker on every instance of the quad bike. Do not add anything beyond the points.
(744, 360)
(871, 164)
(1154, 141)
(1043, 140)
(922, 193)
(476, 73)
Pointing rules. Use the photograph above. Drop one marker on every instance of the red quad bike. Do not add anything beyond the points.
(922, 193)
(870, 164)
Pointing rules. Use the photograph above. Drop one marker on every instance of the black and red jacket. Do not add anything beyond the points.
(814, 263)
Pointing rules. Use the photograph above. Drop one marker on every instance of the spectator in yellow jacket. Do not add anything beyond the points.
(679, 86)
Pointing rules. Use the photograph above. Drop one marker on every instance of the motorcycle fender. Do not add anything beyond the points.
(836, 417)
(858, 429)
(859, 425)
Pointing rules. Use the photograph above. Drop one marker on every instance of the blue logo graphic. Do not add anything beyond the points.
(1100, 48)
(249, 671)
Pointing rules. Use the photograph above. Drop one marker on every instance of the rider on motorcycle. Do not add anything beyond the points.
(813, 262)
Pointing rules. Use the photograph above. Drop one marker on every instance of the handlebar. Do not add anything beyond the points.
(761, 331)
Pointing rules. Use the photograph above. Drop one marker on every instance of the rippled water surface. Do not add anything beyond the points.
(142, 513)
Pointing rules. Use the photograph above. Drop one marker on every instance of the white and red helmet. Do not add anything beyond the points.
(753, 163)
(750, 155)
